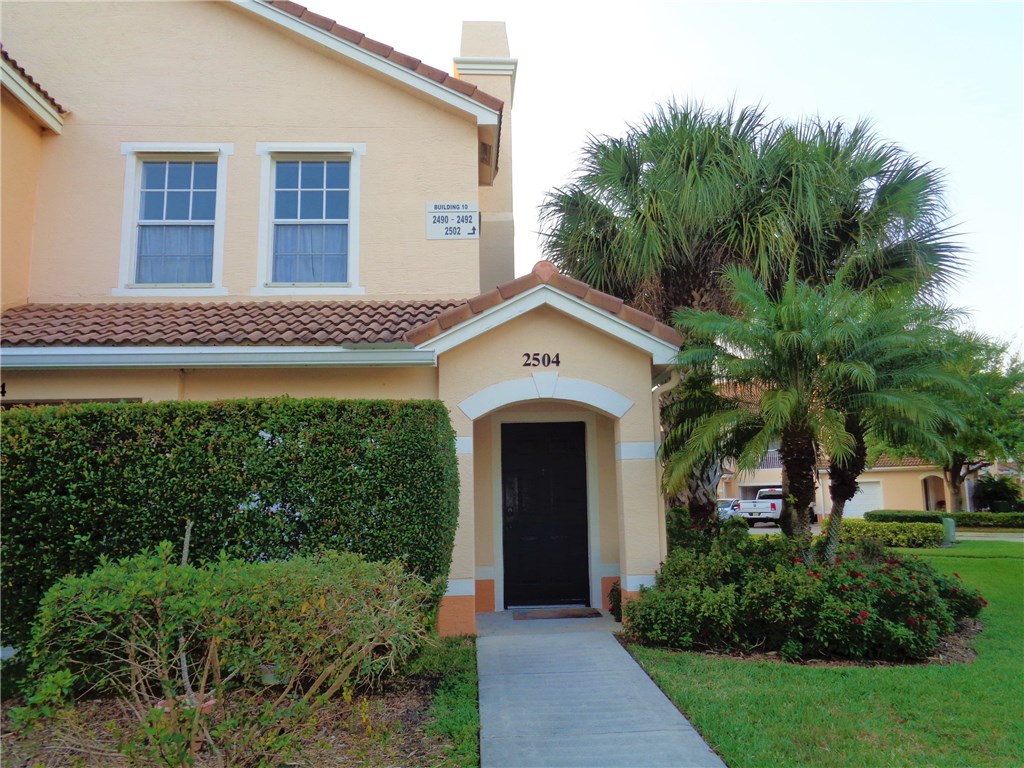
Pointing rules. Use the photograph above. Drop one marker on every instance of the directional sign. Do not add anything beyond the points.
(453, 221)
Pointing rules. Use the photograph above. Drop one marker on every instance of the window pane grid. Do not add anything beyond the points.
(311, 209)
(176, 222)
(178, 191)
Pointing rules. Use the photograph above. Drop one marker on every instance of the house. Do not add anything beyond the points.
(909, 483)
(243, 198)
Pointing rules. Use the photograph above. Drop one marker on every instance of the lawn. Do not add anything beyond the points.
(763, 713)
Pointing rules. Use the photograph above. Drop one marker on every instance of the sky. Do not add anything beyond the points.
(941, 80)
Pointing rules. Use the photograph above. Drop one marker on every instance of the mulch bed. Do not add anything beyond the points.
(385, 728)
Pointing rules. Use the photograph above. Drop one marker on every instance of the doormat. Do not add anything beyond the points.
(556, 613)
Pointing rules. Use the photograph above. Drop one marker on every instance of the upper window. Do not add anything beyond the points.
(174, 242)
(309, 241)
(311, 221)
(174, 219)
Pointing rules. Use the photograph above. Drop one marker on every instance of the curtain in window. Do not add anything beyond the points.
(175, 254)
(310, 253)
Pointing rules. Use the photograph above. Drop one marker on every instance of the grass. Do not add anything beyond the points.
(454, 714)
(760, 713)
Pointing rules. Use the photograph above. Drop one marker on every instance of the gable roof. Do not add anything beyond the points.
(30, 93)
(543, 273)
(385, 51)
(412, 72)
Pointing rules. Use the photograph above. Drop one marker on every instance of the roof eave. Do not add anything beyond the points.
(482, 114)
(45, 112)
(49, 358)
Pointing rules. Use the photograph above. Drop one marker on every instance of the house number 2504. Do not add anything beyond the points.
(538, 360)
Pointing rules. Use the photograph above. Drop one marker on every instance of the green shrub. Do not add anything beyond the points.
(898, 516)
(998, 493)
(969, 519)
(280, 638)
(759, 593)
(259, 479)
(913, 535)
(989, 519)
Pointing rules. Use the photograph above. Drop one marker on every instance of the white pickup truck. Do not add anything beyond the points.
(767, 507)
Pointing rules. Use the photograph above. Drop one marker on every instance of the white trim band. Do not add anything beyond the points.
(545, 386)
(209, 357)
(461, 588)
(633, 583)
(464, 446)
(636, 451)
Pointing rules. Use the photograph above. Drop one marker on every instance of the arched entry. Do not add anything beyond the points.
(934, 491)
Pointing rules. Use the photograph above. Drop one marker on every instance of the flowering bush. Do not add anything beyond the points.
(759, 594)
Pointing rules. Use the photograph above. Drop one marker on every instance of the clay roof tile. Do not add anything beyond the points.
(386, 51)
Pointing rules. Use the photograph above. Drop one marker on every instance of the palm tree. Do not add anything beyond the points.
(655, 217)
(819, 369)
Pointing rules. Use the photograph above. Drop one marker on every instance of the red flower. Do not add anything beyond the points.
(863, 614)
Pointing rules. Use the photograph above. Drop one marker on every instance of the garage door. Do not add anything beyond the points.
(868, 497)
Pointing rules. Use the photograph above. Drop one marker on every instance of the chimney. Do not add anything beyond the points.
(485, 62)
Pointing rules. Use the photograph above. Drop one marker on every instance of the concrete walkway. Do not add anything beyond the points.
(563, 692)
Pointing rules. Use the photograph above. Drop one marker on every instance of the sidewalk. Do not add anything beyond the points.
(563, 692)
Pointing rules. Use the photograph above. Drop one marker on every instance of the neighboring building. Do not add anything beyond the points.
(889, 483)
(244, 198)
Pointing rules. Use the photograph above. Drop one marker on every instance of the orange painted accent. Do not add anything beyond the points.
(485, 596)
(457, 615)
(627, 596)
(606, 584)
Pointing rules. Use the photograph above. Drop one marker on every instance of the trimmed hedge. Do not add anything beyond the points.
(989, 519)
(899, 516)
(967, 519)
(891, 534)
(260, 479)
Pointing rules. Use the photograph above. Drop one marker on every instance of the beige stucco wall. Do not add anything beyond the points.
(388, 383)
(488, 40)
(226, 76)
(901, 488)
(21, 141)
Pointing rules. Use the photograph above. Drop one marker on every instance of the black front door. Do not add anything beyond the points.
(544, 489)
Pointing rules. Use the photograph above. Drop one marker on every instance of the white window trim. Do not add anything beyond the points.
(268, 151)
(135, 153)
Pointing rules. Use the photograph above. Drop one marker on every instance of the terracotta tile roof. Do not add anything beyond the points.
(30, 80)
(543, 273)
(284, 322)
(206, 323)
(387, 52)
(885, 461)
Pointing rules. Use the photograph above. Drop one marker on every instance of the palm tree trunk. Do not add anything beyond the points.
(843, 486)
(797, 451)
(702, 494)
